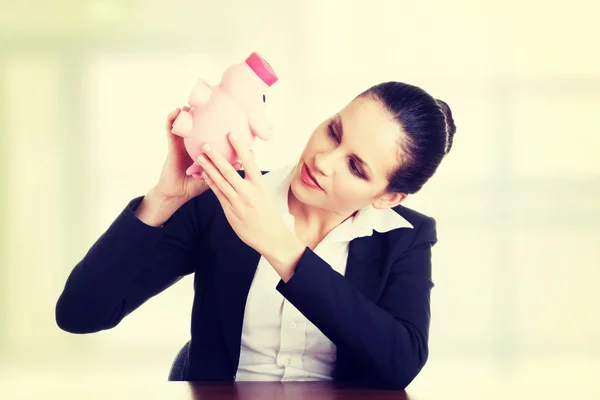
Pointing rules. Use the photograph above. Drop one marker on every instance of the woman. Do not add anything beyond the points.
(311, 272)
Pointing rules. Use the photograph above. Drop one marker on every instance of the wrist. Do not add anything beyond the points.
(155, 208)
(286, 255)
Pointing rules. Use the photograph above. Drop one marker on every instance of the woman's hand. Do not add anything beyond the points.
(173, 183)
(249, 203)
(174, 187)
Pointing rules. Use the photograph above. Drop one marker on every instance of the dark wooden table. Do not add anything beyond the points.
(287, 391)
(163, 390)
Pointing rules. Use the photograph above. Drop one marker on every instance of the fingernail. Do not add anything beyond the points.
(233, 136)
(202, 159)
(206, 147)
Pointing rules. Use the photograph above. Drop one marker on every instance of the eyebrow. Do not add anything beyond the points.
(338, 122)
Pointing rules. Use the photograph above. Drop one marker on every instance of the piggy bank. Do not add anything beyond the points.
(236, 105)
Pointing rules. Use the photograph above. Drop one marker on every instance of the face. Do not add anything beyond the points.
(350, 155)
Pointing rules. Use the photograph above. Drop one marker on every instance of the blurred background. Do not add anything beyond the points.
(85, 87)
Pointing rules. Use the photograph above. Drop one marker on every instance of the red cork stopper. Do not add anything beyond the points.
(261, 68)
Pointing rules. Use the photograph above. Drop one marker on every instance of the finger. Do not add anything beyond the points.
(177, 146)
(172, 115)
(225, 169)
(170, 118)
(219, 180)
(246, 156)
(218, 192)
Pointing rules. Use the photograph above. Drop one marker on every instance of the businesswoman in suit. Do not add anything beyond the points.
(311, 272)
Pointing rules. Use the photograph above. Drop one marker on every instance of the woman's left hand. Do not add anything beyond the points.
(249, 203)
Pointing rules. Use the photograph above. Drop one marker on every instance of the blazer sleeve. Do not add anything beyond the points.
(127, 265)
(386, 342)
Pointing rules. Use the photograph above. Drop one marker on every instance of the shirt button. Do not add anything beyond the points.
(293, 324)
(288, 361)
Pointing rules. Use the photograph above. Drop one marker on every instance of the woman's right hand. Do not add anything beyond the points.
(173, 183)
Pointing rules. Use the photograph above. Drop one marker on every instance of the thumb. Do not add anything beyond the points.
(176, 143)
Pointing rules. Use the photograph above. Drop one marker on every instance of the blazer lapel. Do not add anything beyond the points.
(365, 270)
(365, 267)
(236, 264)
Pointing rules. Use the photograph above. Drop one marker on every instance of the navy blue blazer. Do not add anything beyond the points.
(377, 314)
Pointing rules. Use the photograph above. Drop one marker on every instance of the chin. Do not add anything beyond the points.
(299, 191)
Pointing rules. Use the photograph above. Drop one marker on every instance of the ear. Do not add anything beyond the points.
(389, 200)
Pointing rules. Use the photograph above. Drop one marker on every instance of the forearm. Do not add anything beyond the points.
(96, 286)
(389, 351)
(128, 264)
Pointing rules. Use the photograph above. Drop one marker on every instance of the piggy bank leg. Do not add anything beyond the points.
(195, 170)
(182, 125)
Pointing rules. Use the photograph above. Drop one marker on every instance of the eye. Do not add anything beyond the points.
(331, 132)
(355, 169)
(264, 99)
(351, 163)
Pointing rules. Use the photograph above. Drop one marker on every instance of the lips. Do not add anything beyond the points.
(312, 176)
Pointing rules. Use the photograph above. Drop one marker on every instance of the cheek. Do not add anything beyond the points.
(349, 192)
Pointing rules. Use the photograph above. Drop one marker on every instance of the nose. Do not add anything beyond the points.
(324, 162)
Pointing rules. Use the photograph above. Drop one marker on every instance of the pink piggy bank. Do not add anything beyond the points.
(236, 105)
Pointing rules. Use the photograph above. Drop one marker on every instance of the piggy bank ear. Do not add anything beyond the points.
(261, 127)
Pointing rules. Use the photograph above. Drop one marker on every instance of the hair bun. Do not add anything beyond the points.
(450, 127)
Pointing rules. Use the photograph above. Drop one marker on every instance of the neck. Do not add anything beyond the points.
(314, 219)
